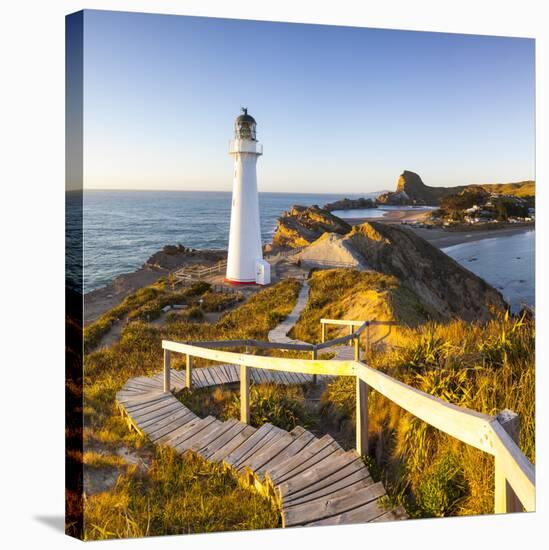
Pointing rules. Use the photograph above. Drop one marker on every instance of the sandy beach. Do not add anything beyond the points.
(442, 237)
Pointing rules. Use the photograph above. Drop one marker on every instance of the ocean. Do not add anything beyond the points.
(122, 229)
(507, 263)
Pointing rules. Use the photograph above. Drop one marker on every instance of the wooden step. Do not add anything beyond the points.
(208, 430)
(307, 458)
(267, 452)
(212, 435)
(192, 428)
(258, 438)
(331, 470)
(356, 479)
(209, 450)
(343, 506)
(170, 428)
(302, 439)
(231, 446)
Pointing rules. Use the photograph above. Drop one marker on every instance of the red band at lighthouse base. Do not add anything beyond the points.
(230, 281)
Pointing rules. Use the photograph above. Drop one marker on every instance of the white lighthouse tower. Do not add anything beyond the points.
(245, 264)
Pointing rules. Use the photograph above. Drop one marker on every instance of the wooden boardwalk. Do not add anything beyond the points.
(313, 480)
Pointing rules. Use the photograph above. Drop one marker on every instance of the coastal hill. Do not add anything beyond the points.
(411, 190)
(444, 288)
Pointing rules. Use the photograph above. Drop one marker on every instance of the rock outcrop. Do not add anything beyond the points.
(350, 204)
(412, 191)
(332, 248)
(302, 225)
(173, 257)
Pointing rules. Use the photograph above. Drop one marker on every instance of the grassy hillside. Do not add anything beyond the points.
(158, 492)
(351, 294)
(485, 368)
(519, 189)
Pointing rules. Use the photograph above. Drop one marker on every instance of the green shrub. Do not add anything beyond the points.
(283, 406)
(441, 488)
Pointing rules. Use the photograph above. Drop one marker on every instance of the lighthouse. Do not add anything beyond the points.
(245, 263)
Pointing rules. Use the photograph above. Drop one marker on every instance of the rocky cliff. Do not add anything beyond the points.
(411, 190)
(302, 225)
(442, 284)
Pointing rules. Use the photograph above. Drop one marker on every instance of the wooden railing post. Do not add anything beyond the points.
(505, 499)
(367, 347)
(357, 348)
(350, 332)
(244, 394)
(167, 370)
(313, 357)
(361, 417)
(323, 332)
(189, 371)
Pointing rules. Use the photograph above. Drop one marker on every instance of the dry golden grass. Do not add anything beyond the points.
(485, 368)
(176, 495)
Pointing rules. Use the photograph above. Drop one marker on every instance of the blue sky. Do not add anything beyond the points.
(338, 108)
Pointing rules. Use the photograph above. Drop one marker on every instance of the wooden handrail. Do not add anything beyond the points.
(305, 366)
(476, 429)
(519, 472)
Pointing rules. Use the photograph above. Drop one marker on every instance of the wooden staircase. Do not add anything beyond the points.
(313, 480)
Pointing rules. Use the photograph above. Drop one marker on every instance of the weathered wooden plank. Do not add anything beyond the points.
(319, 510)
(198, 378)
(211, 436)
(213, 372)
(140, 409)
(254, 440)
(228, 375)
(312, 455)
(331, 471)
(166, 424)
(209, 431)
(208, 377)
(356, 480)
(146, 418)
(233, 444)
(159, 416)
(369, 511)
(192, 429)
(143, 401)
(315, 461)
(302, 439)
(172, 426)
(265, 441)
(169, 438)
(212, 447)
(268, 452)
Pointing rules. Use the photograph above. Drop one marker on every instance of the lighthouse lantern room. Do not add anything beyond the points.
(245, 263)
